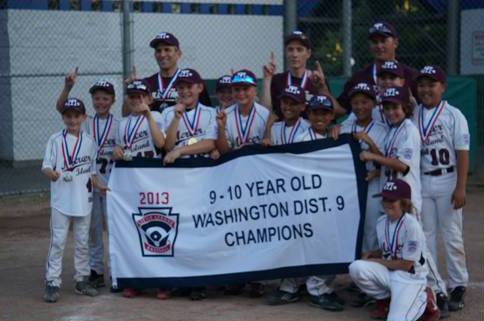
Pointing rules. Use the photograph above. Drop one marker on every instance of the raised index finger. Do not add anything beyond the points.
(273, 58)
(318, 67)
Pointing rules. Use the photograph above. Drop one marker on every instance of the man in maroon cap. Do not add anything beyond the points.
(167, 53)
(383, 45)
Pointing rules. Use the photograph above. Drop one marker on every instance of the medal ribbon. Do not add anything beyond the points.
(393, 246)
(312, 134)
(426, 130)
(164, 92)
(101, 139)
(366, 129)
(130, 133)
(392, 140)
(292, 133)
(192, 126)
(69, 158)
(303, 81)
(244, 131)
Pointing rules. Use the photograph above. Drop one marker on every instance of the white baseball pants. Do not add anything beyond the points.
(315, 285)
(373, 212)
(440, 217)
(96, 241)
(409, 298)
(59, 228)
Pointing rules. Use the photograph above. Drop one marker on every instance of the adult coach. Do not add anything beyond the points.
(167, 53)
(384, 42)
(298, 50)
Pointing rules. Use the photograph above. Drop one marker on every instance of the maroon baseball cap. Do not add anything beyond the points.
(298, 36)
(244, 77)
(138, 86)
(295, 93)
(363, 88)
(73, 104)
(190, 76)
(320, 102)
(382, 28)
(392, 67)
(433, 72)
(102, 85)
(397, 95)
(223, 82)
(395, 189)
(165, 38)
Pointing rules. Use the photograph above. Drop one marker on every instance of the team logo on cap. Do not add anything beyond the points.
(162, 35)
(137, 84)
(428, 70)
(362, 86)
(391, 92)
(102, 83)
(72, 102)
(225, 80)
(157, 230)
(322, 100)
(378, 26)
(389, 65)
(292, 90)
(390, 187)
(185, 73)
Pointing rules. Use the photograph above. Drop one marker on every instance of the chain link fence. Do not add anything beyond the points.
(44, 39)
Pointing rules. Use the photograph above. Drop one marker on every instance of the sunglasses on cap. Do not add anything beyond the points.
(243, 78)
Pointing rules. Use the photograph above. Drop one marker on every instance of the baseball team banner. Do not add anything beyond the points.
(255, 214)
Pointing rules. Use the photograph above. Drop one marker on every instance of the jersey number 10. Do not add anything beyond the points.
(441, 156)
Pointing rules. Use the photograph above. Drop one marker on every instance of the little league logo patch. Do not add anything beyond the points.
(157, 230)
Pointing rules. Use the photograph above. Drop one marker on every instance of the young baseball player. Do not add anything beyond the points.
(244, 122)
(320, 115)
(223, 91)
(139, 134)
(102, 127)
(444, 136)
(293, 103)
(70, 164)
(401, 159)
(190, 126)
(395, 272)
(371, 134)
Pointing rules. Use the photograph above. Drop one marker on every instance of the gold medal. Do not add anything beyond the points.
(192, 141)
(127, 156)
(67, 177)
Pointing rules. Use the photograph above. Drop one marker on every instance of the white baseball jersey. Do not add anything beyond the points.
(103, 132)
(376, 130)
(198, 123)
(443, 130)
(403, 143)
(309, 135)
(134, 135)
(282, 134)
(242, 130)
(74, 158)
(403, 239)
(376, 114)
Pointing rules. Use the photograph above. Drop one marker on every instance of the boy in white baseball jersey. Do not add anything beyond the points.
(293, 103)
(244, 122)
(444, 163)
(322, 295)
(395, 272)
(70, 165)
(320, 115)
(102, 127)
(371, 134)
(401, 159)
(139, 134)
(190, 126)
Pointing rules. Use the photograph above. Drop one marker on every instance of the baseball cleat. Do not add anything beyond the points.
(51, 293)
(280, 297)
(456, 301)
(85, 288)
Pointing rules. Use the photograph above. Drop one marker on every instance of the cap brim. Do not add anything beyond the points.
(380, 33)
(73, 109)
(321, 108)
(243, 83)
(155, 42)
(392, 101)
(292, 97)
(369, 95)
(136, 91)
(419, 77)
(92, 90)
(386, 196)
(391, 73)
(304, 42)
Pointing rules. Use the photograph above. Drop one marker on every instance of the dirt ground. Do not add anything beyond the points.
(24, 237)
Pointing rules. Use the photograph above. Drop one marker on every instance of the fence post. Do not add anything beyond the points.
(127, 38)
(290, 19)
(453, 12)
(346, 32)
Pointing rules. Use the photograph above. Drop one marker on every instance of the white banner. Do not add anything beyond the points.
(255, 214)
